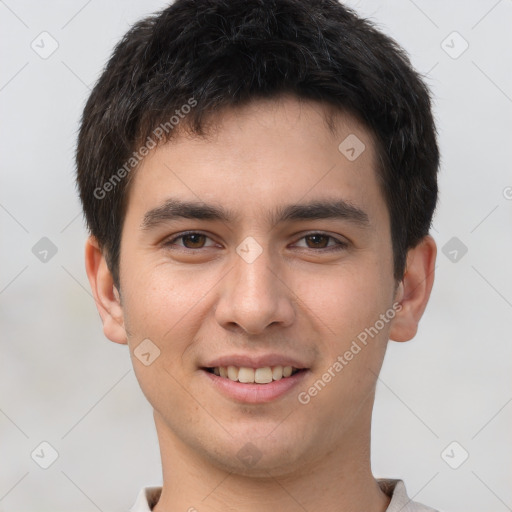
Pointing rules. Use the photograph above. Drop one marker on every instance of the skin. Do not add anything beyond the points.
(295, 298)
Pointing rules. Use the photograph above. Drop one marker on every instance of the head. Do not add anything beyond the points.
(297, 145)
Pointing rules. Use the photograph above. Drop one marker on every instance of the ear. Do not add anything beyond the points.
(414, 290)
(105, 294)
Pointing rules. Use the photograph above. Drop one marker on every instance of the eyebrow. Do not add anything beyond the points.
(173, 209)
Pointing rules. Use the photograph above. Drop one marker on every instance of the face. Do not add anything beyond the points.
(262, 246)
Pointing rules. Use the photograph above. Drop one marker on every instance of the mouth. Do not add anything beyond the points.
(247, 375)
(247, 385)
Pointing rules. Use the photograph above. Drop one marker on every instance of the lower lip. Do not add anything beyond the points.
(255, 393)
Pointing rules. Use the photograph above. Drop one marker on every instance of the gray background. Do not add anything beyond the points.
(64, 383)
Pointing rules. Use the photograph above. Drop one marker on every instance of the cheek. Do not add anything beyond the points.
(168, 307)
(158, 300)
(353, 344)
(161, 309)
(347, 300)
(152, 314)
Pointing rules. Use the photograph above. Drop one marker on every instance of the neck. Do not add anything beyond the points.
(337, 481)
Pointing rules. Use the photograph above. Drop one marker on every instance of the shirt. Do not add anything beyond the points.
(400, 502)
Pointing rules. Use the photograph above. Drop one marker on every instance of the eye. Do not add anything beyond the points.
(196, 240)
(190, 240)
(322, 241)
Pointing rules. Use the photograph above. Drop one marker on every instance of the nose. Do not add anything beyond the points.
(255, 296)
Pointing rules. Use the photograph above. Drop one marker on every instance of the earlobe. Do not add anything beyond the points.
(104, 292)
(414, 291)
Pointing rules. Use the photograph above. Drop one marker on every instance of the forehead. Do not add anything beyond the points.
(265, 154)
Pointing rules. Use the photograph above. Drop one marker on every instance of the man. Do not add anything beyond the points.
(259, 179)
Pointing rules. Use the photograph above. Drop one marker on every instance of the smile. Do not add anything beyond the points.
(254, 385)
(263, 375)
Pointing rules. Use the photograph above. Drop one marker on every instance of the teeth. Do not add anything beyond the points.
(263, 375)
(254, 375)
(277, 372)
(245, 375)
(233, 373)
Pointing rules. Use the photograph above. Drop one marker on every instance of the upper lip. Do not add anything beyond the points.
(261, 361)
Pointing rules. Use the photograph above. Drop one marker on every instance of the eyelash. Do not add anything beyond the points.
(339, 244)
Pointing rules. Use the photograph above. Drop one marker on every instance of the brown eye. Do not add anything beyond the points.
(317, 241)
(322, 242)
(194, 241)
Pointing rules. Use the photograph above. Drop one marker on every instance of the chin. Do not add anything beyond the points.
(259, 456)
